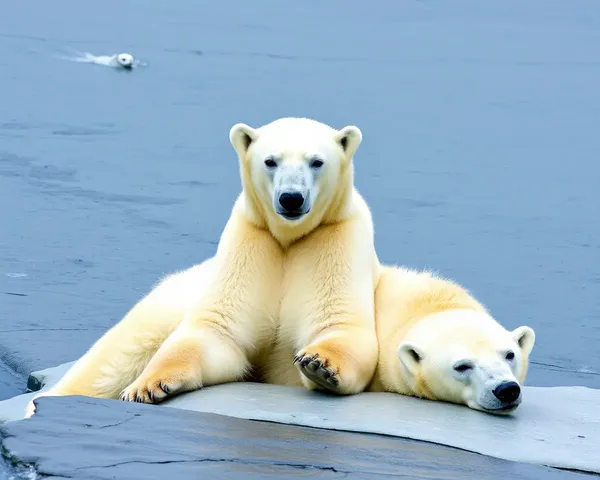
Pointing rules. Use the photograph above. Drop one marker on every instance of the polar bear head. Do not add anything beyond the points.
(125, 60)
(296, 173)
(466, 357)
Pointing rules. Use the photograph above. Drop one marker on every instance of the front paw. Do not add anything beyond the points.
(319, 370)
(148, 391)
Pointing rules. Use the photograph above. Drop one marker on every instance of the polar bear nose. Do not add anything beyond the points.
(507, 392)
(291, 200)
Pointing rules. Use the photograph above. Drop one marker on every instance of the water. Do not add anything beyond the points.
(479, 159)
(9, 472)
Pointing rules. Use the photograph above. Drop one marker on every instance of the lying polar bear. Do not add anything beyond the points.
(437, 342)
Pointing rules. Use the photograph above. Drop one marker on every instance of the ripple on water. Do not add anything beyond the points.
(10, 472)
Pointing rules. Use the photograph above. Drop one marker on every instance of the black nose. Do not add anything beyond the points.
(507, 392)
(291, 201)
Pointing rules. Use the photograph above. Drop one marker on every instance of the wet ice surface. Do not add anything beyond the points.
(479, 159)
(82, 437)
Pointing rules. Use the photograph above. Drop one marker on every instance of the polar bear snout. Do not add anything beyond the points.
(294, 185)
(501, 397)
(291, 201)
(507, 392)
(292, 204)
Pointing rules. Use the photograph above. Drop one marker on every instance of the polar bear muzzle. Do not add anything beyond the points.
(292, 192)
(291, 205)
(507, 392)
(503, 398)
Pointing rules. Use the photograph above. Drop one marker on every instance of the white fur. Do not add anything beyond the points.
(443, 337)
(123, 60)
(428, 327)
(304, 285)
(120, 60)
(329, 275)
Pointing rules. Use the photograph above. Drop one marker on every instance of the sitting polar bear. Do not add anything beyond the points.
(295, 265)
(437, 342)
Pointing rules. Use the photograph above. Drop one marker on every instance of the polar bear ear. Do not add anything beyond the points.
(525, 337)
(241, 136)
(349, 138)
(410, 356)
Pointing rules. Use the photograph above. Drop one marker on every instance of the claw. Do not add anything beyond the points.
(306, 360)
(318, 370)
(313, 365)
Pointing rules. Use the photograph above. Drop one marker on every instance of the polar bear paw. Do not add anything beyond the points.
(318, 370)
(156, 391)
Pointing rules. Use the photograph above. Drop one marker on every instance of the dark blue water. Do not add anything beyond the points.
(480, 156)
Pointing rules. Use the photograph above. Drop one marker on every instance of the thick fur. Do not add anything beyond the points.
(304, 284)
(427, 325)
(123, 352)
(327, 309)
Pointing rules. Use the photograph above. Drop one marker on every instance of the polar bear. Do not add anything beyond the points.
(122, 353)
(437, 342)
(296, 263)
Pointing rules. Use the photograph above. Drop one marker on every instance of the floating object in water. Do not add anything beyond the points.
(16, 275)
(125, 60)
(120, 60)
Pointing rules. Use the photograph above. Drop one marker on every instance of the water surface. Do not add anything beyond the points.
(479, 159)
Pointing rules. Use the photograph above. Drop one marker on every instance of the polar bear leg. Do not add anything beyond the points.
(197, 354)
(339, 360)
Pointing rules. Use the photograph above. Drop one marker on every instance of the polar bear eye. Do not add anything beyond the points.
(510, 355)
(316, 163)
(463, 367)
(269, 162)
